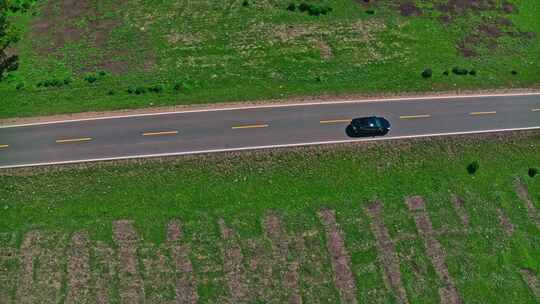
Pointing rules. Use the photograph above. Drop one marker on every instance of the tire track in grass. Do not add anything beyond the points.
(157, 273)
(459, 206)
(280, 251)
(26, 275)
(9, 268)
(78, 269)
(505, 222)
(532, 281)
(259, 259)
(233, 267)
(523, 194)
(387, 251)
(341, 261)
(435, 251)
(186, 286)
(131, 286)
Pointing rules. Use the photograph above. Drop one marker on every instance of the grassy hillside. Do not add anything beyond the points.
(406, 220)
(102, 55)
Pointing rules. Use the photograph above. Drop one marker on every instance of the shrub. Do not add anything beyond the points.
(245, 3)
(303, 7)
(131, 90)
(446, 73)
(532, 172)
(90, 78)
(460, 71)
(158, 88)
(178, 87)
(513, 72)
(140, 90)
(427, 73)
(472, 72)
(473, 167)
(67, 81)
(370, 12)
(102, 73)
(110, 92)
(291, 7)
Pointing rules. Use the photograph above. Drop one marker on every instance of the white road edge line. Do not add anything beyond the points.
(268, 147)
(277, 106)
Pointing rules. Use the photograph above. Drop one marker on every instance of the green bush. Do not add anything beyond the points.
(460, 71)
(532, 172)
(473, 167)
(91, 78)
(472, 72)
(427, 73)
(140, 90)
(19, 86)
(245, 3)
(303, 7)
(370, 12)
(291, 7)
(158, 88)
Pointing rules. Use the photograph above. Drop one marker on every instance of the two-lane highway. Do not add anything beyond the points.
(202, 131)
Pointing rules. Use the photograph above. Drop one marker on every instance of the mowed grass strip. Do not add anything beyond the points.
(42, 208)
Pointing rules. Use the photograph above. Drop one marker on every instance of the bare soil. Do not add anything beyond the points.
(505, 223)
(341, 261)
(280, 251)
(523, 194)
(131, 286)
(233, 260)
(78, 269)
(436, 253)
(459, 205)
(532, 281)
(186, 285)
(387, 252)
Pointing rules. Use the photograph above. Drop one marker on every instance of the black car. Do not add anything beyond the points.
(368, 126)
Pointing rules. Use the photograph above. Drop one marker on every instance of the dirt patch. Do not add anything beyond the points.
(387, 252)
(505, 223)
(435, 251)
(409, 8)
(75, 21)
(324, 49)
(29, 251)
(78, 269)
(459, 206)
(532, 281)
(186, 287)
(280, 251)
(131, 286)
(341, 261)
(9, 269)
(233, 260)
(103, 273)
(523, 194)
(260, 275)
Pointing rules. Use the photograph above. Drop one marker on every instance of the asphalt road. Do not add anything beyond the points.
(256, 127)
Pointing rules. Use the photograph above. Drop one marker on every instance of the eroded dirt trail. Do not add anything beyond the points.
(78, 269)
(341, 261)
(448, 293)
(186, 287)
(387, 251)
(233, 265)
(131, 286)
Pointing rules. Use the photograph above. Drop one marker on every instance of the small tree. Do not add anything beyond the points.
(532, 172)
(473, 167)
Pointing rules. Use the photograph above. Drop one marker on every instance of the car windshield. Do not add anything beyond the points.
(374, 122)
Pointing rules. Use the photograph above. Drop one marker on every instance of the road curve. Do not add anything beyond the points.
(192, 132)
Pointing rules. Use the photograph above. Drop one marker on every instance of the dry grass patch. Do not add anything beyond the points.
(532, 281)
(233, 265)
(459, 206)
(78, 269)
(523, 194)
(506, 224)
(103, 273)
(186, 285)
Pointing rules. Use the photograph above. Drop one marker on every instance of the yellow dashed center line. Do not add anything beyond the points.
(160, 133)
(73, 140)
(335, 121)
(4, 146)
(250, 127)
(415, 116)
(535, 110)
(483, 113)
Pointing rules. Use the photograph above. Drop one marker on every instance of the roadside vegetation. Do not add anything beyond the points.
(405, 221)
(105, 55)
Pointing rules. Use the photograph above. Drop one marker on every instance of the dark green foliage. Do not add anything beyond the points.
(110, 92)
(140, 90)
(473, 167)
(245, 3)
(91, 78)
(158, 88)
(67, 81)
(427, 73)
(446, 73)
(472, 72)
(303, 7)
(19, 86)
(102, 73)
(51, 83)
(370, 12)
(532, 172)
(291, 7)
(460, 71)
(514, 72)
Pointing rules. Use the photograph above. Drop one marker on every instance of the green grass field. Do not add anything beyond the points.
(204, 51)
(487, 258)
